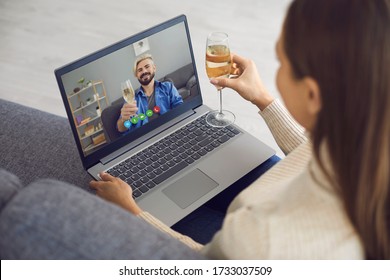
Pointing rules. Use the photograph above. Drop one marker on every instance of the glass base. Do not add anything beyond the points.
(216, 119)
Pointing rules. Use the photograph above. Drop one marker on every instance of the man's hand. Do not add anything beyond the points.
(117, 191)
(129, 110)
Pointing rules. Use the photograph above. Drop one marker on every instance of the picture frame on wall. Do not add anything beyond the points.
(141, 46)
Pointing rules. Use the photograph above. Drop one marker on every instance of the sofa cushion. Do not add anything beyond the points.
(9, 186)
(181, 76)
(53, 220)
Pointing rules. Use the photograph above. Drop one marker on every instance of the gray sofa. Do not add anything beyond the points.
(47, 210)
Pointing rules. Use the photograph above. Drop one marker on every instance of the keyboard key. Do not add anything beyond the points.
(223, 139)
(206, 142)
(127, 174)
(177, 159)
(235, 131)
(141, 158)
(170, 172)
(134, 169)
(196, 148)
(154, 158)
(209, 148)
(196, 156)
(113, 173)
(158, 171)
(168, 157)
(144, 189)
(149, 169)
(215, 144)
(144, 179)
(137, 193)
(150, 185)
(174, 154)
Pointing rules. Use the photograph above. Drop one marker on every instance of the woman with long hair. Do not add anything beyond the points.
(329, 197)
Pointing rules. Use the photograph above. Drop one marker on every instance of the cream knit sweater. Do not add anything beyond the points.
(291, 212)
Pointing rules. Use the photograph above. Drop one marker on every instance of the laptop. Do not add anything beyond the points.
(173, 160)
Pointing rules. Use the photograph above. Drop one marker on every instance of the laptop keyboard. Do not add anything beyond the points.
(158, 162)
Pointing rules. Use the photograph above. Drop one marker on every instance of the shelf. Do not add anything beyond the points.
(86, 136)
(89, 104)
(91, 120)
(85, 89)
(92, 146)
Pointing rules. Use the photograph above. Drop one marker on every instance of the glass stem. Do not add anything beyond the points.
(220, 102)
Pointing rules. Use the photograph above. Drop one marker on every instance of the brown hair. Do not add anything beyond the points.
(345, 46)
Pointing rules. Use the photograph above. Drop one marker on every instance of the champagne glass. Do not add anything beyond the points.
(129, 97)
(218, 63)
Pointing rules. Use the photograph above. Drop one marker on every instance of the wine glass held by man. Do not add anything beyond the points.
(131, 105)
(329, 198)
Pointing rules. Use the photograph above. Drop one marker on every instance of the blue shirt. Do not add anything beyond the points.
(166, 96)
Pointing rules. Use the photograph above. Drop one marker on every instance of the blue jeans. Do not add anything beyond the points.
(204, 222)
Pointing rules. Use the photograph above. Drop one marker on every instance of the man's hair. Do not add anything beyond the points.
(139, 59)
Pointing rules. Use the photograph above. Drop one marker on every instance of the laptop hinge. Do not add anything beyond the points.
(145, 138)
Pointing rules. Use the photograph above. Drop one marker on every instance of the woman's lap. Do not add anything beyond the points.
(203, 223)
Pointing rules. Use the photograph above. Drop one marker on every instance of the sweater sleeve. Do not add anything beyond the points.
(164, 228)
(286, 131)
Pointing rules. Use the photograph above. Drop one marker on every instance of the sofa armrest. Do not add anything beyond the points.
(36, 144)
(49, 219)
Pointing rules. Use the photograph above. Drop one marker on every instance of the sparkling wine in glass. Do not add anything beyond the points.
(218, 63)
(128, 92)
(129, 96)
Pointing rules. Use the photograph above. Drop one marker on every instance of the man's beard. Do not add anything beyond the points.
(147, 81)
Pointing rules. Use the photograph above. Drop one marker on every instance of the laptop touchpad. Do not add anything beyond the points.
(190, 188)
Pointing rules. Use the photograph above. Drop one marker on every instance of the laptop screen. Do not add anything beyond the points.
(121, 92)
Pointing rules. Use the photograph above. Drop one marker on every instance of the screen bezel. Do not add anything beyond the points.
(94, 158)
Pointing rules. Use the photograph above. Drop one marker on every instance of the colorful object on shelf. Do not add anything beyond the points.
(79, 119)
(85, 121)
(90, 129)
(98, 139)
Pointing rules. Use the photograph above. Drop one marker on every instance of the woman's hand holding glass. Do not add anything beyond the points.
(246, 81)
